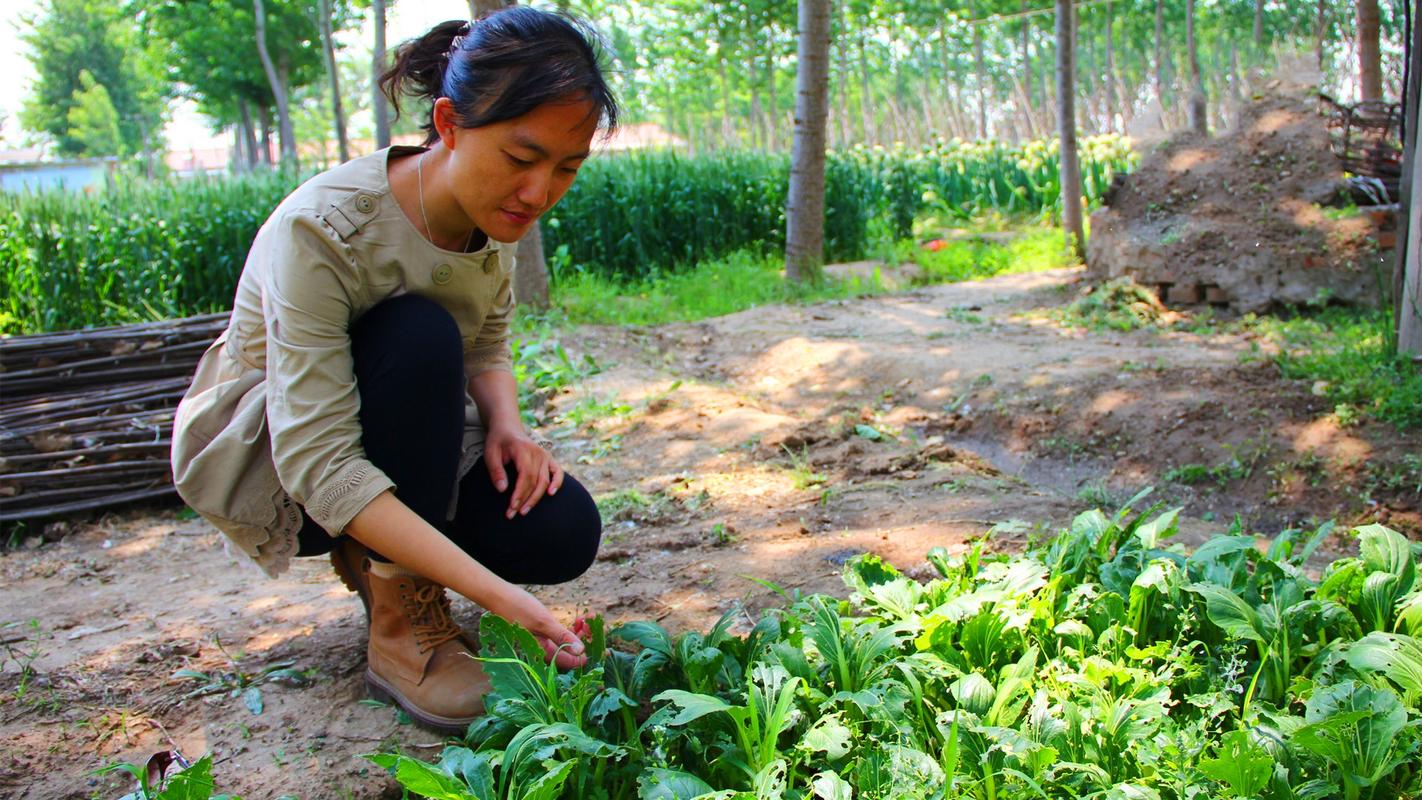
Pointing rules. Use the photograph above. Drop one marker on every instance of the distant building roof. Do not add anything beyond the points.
(196, 160)
(22, 155)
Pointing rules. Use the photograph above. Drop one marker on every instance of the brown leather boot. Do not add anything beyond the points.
(348, 559)
(418, 657)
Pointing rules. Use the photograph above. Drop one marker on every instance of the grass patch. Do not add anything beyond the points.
(973, 257)
(1349, 353)
(737, 282)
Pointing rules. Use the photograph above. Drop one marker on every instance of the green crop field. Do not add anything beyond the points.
(147, 251)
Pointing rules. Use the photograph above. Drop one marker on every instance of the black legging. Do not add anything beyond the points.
(409, 370)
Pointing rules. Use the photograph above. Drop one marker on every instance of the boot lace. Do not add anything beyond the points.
(430, 617)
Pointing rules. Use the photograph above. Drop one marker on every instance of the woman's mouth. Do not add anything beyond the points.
(516, 219)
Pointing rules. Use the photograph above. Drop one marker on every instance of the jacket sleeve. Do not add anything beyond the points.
(312, 406)
(490, 349)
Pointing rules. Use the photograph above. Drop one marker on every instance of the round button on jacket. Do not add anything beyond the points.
(364, 203)
(443, 273)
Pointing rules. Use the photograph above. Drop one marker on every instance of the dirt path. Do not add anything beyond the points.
(773, 443)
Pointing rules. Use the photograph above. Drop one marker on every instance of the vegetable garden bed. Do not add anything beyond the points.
(1100, 663)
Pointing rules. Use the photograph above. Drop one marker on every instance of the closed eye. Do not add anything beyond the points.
(518, 161)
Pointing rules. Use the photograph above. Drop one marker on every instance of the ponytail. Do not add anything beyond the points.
(501, 66)
(420, 64)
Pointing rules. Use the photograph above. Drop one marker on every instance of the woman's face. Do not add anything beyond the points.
(504, 176)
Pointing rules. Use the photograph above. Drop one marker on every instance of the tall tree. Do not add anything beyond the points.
(1407, 272)
(805, 206)
(328, 55)
(68, 38)
(1069, 165)
(1160, 52)
(1369, 51)
(1197, 108)
(378, 104)
(278, 83)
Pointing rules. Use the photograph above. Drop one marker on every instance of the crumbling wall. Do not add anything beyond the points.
(1248, 219)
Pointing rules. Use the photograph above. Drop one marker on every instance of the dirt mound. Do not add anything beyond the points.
(1241, 219)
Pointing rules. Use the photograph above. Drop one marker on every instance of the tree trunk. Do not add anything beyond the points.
(1407, 272)
(379, 105)
(328, 51)
(248, 133)
(866, 113)
(1070, 168)
(237, 159)
(841, 87)
(1320, 31)
(1026, 57)
(1112, 101)
(773, 118)
(283, 108)
(1198, 122)
(1369, 54)
(1258, 26)
(981, 80)
(264, 116)
(805, 208)
(1160, 53)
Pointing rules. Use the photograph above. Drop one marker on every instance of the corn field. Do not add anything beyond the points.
(148, 251)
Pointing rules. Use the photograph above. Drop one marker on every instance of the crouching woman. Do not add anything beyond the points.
(361, 402)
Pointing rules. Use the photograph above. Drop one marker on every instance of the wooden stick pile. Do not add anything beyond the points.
(86, 417)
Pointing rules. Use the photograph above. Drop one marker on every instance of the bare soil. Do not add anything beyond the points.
(744, 438)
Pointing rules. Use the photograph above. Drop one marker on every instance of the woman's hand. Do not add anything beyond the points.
(559, 644)
(538, 471)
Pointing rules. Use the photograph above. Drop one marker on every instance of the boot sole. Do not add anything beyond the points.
(382, 691)
(349, 575)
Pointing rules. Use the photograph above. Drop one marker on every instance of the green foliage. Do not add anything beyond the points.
(629, 215)
(722, 286)
(93, 120)
(150, 251)
(1352, 352)
(1103, 662)
(193, 783)
(1117, 305)
(137, 252)
(68, 39)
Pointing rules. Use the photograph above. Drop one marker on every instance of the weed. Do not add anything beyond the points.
(22, 651)
(234, 680)
(1348, 354)
(589, 409)
(965, 315)
(801, 470)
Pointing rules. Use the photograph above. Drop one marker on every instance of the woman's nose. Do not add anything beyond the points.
(534, 191)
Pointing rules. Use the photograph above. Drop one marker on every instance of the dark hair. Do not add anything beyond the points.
(500, 66)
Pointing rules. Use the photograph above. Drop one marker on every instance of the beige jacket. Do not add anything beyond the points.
(270, 424)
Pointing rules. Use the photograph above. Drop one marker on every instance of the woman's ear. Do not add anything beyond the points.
(445, 121)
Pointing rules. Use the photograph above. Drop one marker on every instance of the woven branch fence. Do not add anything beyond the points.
(86, 417)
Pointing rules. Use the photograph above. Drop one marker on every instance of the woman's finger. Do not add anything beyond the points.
(494, 461)
(527, 479)
(538, 489)
(557, 481)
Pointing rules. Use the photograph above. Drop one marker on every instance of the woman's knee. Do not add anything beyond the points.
(581, 527)
(407, 336)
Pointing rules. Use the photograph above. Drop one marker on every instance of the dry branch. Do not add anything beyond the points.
(86, 417)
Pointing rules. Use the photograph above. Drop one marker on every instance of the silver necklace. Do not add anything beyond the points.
(420, 180)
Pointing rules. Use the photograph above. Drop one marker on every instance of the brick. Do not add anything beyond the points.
(1186, 294)
(1216, 295)
(1387, 240)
